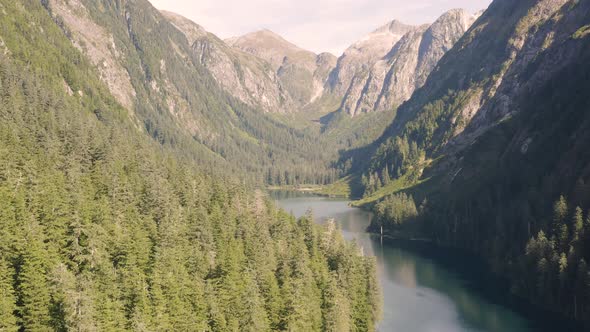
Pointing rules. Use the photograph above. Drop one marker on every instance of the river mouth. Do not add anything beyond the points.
(427, 288)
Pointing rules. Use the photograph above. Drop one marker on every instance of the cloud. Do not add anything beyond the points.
(318, 25)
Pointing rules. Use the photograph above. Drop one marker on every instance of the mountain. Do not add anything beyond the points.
(104, 228)
(492, 151)
(359, 57)
(382, 70)
(191, 91)
(242, 75)
(477, 84)
(303, 73)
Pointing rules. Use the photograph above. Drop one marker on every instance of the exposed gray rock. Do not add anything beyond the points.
(301, 72)
(493, 97)
(244, 76)
(371, 80)
(356, 61)
(99, 46)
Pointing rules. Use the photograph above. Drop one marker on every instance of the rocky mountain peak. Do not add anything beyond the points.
(382, 70)
(395, 27)
(192, 30)
(272, 48)
(327, 57)
(240, 73)
(455, 17)
(377, 43)
(364, 53)
(302, 73)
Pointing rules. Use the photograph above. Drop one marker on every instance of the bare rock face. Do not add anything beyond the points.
(373, 77)
(490, 66)
(99, 46)
(273, 48)
(241, 74)
(265, 71)
(514, 49)
(325, 62)
(302, 73)
(354, 64)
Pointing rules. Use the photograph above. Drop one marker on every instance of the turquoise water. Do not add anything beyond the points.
(425, 288)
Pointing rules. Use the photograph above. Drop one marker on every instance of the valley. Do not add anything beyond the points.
(136, 150)
(426, 287)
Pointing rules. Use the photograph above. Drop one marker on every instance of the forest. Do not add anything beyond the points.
(518, 194)
(102, 228)
(153, 216)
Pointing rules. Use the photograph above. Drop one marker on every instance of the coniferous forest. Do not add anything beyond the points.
(103, 229)
(516, 192)
(134, 163)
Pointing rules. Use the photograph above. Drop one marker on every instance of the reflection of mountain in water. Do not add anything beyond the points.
(425, 288)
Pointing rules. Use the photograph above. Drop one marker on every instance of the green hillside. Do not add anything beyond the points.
(102, 228)
(479, 156)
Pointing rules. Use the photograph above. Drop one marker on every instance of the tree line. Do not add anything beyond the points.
(554, 268)
(102, 228)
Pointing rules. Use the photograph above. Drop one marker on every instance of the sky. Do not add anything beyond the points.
(316, 25)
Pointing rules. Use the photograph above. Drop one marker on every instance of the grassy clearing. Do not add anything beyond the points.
(340, 188)
(403, 183)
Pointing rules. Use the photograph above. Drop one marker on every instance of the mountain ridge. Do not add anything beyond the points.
(363, 77)
(491, 152)
(302, 72)
(388, 78)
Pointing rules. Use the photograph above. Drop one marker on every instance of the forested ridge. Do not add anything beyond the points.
(128, 176)
(177, 101)
(491, 155)
(102, 228)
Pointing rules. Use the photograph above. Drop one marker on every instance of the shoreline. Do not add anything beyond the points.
(307, 189)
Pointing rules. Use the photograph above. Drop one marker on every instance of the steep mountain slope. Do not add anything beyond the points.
(498, 132)
(377, 74)
(190, 91)
(474, 85)
(244, 76)
(303, 73)
(103, 229)
(355, 62)
(373, 77)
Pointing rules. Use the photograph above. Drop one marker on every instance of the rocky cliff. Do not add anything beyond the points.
(188, 89)
(302, 73)
(495, 136)
(381, 71)
(243, 75)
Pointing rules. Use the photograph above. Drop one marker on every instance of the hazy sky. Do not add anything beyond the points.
(317, 25)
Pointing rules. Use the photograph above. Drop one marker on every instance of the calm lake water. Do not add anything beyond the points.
(425, 288)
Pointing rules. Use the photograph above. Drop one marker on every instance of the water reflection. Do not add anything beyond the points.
(424, 288)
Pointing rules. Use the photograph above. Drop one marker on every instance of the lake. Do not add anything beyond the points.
(427, 288)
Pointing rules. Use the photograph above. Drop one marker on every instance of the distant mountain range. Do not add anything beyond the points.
(376, 73)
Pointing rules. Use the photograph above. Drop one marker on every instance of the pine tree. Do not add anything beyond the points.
(8, 307)
(254, 317)
(386, 179)
(72, 297)
(560, 210)
(578, 223)
(543, 279)
(578, 245)
(374, 290)
(581, 288)
(564, 237)
(33, 289)
(335, 307)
